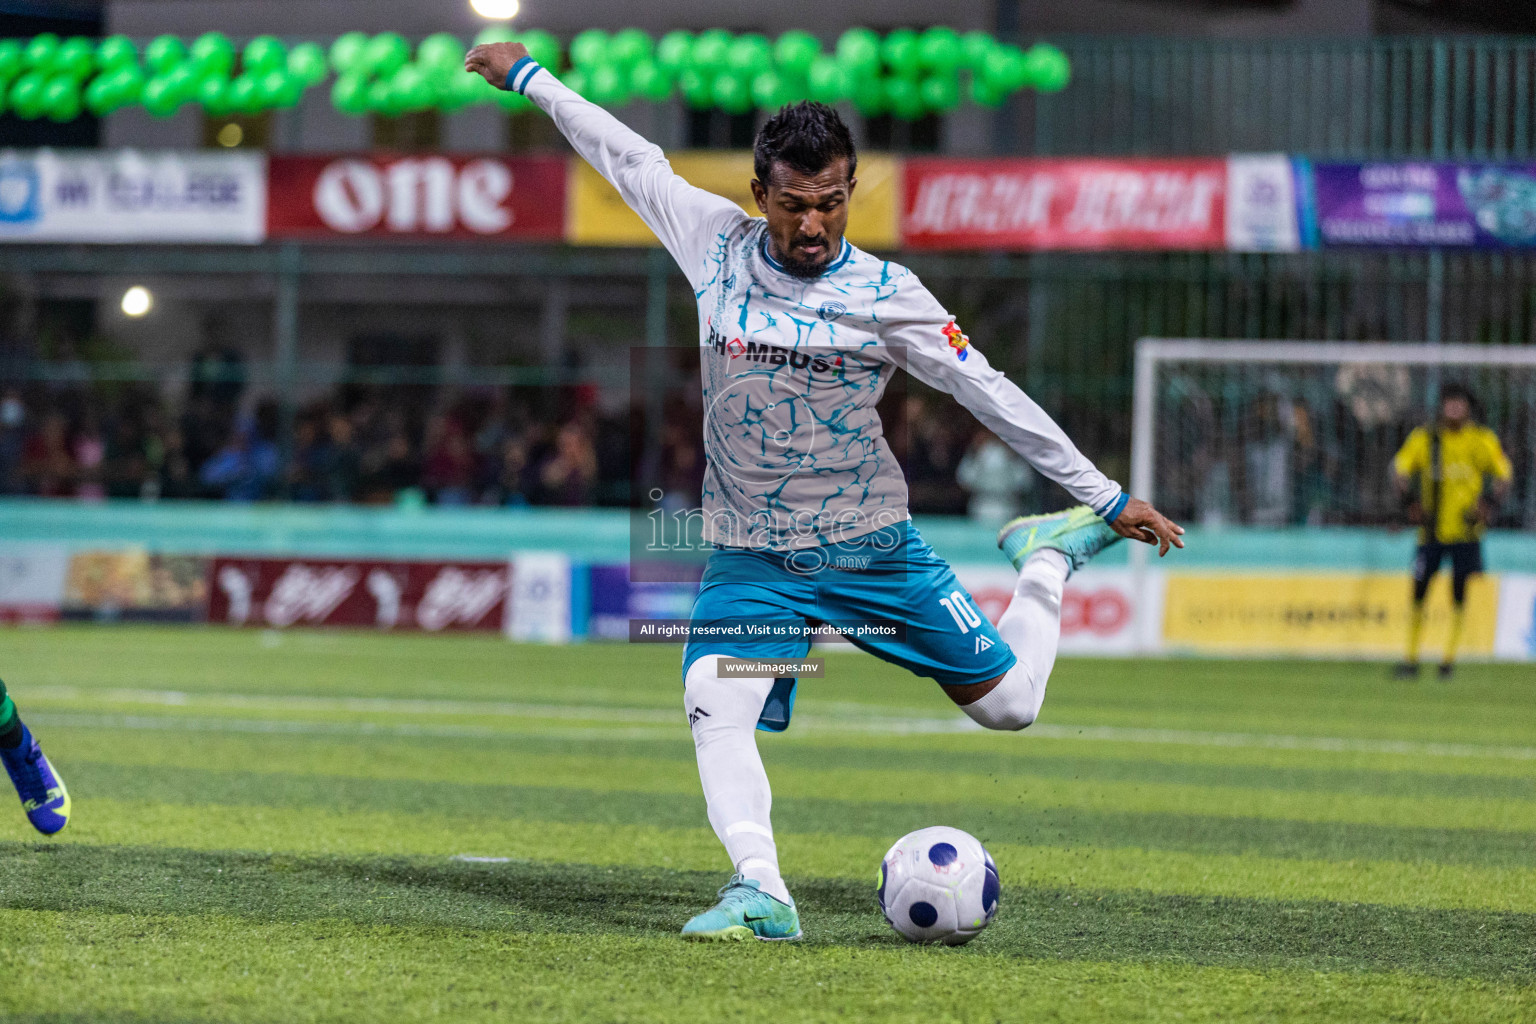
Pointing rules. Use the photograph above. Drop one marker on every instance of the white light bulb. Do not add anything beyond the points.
(496, 10)
(137, 300)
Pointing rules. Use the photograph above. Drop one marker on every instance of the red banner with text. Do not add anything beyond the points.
(430, 596)
(1064, 204)
(417, 197)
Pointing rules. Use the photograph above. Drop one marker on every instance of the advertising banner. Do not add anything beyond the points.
(430, 596)
(542, 598)
(1064, 204)
(136, 585)
(1515, 636)
(127, 196)
(599, 216)
(1448, 204)
(32, 582)
(1098, 607)
(615, 600)
(1344, 614)
(1262, 210)
(417, 197)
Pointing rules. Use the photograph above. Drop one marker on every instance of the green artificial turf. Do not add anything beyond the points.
(273, 828)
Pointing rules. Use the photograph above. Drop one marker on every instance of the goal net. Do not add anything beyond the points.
(1276, 434)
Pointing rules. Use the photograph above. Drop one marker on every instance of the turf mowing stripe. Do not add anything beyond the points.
(427, 764)
(574, 898)
(358, 833)
(841, 717)
(155, 968)
(1068, 828)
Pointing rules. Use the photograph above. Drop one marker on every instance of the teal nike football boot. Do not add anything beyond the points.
(744, 912)
(1078, 533)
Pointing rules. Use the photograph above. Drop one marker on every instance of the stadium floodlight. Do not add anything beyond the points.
(496, 10)
(137, 301)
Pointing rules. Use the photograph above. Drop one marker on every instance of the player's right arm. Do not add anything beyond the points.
(1410, 460)
(688, 220)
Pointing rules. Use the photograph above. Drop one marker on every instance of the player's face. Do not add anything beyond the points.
(807, 214)
(1455, 411)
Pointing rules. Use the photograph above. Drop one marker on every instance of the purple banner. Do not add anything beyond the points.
(1461, 205)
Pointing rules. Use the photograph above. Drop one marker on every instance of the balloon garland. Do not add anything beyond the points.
(907, 73)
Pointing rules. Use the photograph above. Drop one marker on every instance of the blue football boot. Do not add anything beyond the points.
(744, 912)
(1078, 533)
(42, 792)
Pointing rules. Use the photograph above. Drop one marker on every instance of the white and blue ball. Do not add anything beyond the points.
(939, 884)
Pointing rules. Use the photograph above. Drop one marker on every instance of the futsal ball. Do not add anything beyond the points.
(938, 885)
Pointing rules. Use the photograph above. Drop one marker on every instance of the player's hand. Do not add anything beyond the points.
(1140, 521)
(1416, 514)
(494, 61)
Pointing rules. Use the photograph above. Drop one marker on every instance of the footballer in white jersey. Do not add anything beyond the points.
(799, 334)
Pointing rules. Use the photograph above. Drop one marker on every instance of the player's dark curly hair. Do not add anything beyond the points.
(806, 137)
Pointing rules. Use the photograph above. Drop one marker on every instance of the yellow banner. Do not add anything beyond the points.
(1333, 613)
(597, 216)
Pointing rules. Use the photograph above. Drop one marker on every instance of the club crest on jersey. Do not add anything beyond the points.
(830, 311)
(957, 341)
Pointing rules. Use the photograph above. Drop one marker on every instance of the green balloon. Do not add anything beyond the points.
(278, 89)
(495, 34)
(794, 51)
(350, 94)
(181, 80)
(212, 95)
(41, 51)
(242, 95)
(769, 91)
(609, 85)
(710, 49)
(27, 95)
(859, 48)
(307, 63)
(76, 56)
(697, 89)
(440, 50)
(650, 81)
(127, 84)
(382, 98)
(348, 51)
(939, 49)
(630, 46)
(213, 54)
(164, 53)
(984, 94)
(899, 51)
(1006, 70)
(61, 98)
(542, 47)
(11, 59)
(975, 48)
(674, 51)
(589, 48)
(160, 98)
(98, 96)
(829, 81)
(264, 53)
(869, 95)
(905, 98)
(732, 93)
(576, 80)
(387, 53)
(940, 93)
(1047, 68)
(749, 54)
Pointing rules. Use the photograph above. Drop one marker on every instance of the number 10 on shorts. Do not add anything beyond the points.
(959, 606)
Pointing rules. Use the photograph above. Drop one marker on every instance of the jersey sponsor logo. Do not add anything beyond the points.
(773, 355)
(830, 311)
(957, 341)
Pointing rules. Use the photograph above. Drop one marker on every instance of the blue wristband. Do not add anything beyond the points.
(521, 74)
(1117, 506)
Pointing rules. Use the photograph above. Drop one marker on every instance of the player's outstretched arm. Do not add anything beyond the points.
(686, 219)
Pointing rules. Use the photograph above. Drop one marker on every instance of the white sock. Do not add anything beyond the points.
(724, 715)
(1032, 628)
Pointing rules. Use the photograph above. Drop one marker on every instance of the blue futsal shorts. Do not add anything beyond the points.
(887, 592)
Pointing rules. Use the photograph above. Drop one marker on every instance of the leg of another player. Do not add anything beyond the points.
(1458, 619)
(1031, 626)
(42, 792)
(1422, 574)
(724, 714)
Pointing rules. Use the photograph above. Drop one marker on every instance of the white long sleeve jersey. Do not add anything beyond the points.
(792, 368)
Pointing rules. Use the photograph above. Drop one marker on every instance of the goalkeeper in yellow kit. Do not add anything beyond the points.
(1453, 475)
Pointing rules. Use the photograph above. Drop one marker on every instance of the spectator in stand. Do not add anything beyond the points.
(390, 468)
(306, 473)
(245, 468)
(47, 464)
(569, 474)
(89, 449)
(13, 434)
(343, 466)
(448, 471)
(996, 478)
